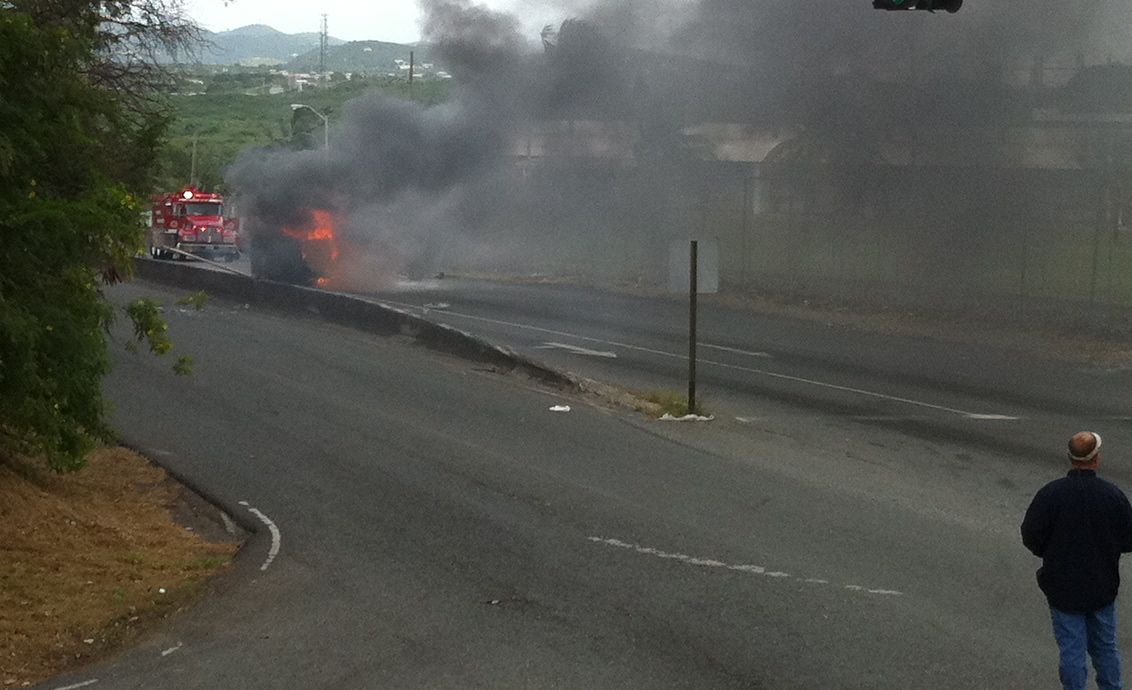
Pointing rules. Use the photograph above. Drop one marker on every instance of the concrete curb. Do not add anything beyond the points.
(243, 521)
(348, 310)
(255, 532)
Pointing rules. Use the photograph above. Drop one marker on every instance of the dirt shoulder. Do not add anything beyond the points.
(93, 558)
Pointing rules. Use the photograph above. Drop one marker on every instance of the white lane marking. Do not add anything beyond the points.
(276, 537)
(859, 391)
(743, 568)
(576, 350)
(169, 651)
(762, 372)
(83, 684)
(548, 331)
(229, 526)
(737, 351)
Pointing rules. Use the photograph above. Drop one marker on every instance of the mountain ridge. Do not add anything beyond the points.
(257, 42)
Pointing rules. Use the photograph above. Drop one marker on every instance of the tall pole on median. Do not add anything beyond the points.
(693, 284)
(325, 126)
(193, 164)
(412, 68)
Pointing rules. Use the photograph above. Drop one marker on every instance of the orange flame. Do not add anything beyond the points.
(335, 261)
(320, 244)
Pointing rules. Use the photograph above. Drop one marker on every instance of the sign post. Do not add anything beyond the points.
(693, 268)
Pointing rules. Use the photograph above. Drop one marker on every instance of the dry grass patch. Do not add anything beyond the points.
(672, 402)
(88, 559)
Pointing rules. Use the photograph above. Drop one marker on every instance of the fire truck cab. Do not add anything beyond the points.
(193, 222)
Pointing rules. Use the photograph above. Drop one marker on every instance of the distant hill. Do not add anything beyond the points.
(369, 57)
(258, 42)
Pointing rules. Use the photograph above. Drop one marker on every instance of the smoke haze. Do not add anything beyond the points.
(627, 124)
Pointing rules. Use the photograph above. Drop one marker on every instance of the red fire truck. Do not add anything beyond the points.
(194, 222)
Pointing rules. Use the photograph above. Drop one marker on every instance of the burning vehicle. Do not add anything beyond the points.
(320, 242)
(306, 252)
(193, 222)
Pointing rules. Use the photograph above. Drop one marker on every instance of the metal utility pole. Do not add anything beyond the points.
(322, 43)
(193, 164)
(325, 126)
(693, 285)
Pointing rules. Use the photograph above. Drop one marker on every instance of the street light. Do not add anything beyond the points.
(325, 124)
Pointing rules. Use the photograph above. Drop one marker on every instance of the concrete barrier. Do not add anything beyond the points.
(346, 310)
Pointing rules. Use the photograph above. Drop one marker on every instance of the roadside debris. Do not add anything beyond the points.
(687, 418)
(560, 408)
(436, 305)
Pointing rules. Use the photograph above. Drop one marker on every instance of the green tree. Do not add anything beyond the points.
(78, 127)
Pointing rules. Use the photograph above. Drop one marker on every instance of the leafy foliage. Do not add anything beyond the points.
(77, 132)
(149, 326)
(220, 123)
(196, 300)
(183, 366)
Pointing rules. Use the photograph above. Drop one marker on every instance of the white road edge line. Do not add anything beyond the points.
(276, 537)
(763, 372)
(744, 568)
(83, 684)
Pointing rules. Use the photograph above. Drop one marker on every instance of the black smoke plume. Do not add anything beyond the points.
(585, 149)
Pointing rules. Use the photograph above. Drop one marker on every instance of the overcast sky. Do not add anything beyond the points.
(350, 20)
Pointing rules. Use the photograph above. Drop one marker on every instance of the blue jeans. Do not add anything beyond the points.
(1094, 632)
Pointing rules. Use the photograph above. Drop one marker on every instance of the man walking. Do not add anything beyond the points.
(1079, 525)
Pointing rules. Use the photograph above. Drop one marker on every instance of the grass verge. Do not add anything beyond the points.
(89, 560)
(662, 402)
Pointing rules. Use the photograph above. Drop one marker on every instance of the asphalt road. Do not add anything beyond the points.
(439, 526)
(756, 366)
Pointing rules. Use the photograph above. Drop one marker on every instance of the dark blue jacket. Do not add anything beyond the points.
(1079, 525)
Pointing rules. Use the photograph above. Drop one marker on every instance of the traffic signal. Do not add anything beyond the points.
(951, 6)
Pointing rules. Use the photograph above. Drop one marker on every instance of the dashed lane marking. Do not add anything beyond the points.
(743, 568)
(577, 350)
(83, 684)
(737, 351)
(976, 416)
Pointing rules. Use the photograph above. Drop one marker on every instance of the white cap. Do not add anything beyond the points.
(1091, 454)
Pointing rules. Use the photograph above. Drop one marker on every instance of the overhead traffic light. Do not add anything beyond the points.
(951, 6)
